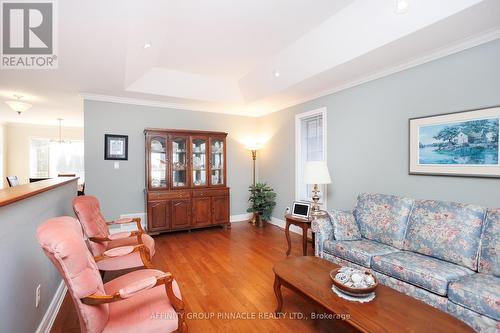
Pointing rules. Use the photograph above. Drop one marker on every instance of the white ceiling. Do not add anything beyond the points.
(221, 55)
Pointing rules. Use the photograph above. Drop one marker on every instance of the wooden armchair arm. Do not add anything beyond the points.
(141, 286)
(117, 296)
(112, 237)
(100, 240)
(101, 299)
(120, 235)
(136, 220)
(126, 250)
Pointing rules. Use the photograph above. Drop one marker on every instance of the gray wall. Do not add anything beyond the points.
(367, 138)
(368, 130)
(120, 191)
(24, 265)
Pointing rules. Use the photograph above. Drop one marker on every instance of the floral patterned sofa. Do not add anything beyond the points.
(443, 253)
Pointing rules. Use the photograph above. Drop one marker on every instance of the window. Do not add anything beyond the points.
(48, 158)
(310, 144)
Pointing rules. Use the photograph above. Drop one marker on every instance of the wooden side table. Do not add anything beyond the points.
(301, 223)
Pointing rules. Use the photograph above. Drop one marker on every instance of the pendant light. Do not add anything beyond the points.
(60, 140)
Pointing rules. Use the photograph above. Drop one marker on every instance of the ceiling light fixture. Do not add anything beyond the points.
(402, 6)
(276, 73)
(18, 105)
(60, 141)
(147, 45)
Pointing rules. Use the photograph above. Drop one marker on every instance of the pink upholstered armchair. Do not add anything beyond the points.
(140, 246)
(144, 301)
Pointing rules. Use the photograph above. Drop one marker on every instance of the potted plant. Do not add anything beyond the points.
(263, 201)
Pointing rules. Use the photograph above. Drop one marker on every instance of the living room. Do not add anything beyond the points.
(251, 166)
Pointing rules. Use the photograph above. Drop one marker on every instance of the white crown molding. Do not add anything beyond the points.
(453, 48)
(463, 45)
(158, 104)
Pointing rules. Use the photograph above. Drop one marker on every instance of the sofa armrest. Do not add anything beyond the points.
(323, 230)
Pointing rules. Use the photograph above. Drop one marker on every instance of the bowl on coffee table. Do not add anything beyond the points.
(354, 282)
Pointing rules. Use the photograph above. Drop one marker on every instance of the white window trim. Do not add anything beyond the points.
(30, 139)
(50, 138)
(298, 148)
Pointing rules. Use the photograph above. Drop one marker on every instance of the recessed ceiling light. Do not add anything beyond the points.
(147, 45)
(402, 6)
(276, 73)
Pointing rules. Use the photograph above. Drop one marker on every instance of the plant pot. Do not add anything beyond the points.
(257, 220)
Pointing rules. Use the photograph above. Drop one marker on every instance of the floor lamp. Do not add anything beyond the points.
(253, 148)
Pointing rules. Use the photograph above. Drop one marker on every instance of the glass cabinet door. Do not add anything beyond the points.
(158, 162)
(217, 162)
(199, 160)
(179, 162)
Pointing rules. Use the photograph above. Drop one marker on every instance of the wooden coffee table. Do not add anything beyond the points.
(390, 311)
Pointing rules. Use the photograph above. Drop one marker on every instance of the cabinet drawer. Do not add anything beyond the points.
(210, 193)
(169, 195)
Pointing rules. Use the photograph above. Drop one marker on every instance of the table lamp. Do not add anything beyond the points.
(315, 173)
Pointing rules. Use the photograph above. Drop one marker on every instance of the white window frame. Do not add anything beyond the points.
(298, 149)
(51, 138)
(30, 139)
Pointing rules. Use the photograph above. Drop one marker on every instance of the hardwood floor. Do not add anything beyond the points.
(226, 279)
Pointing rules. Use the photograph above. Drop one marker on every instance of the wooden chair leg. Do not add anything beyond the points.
(183, 328)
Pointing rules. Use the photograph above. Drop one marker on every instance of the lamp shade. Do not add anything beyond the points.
(253, 146)
(18, 106)
(316, 172)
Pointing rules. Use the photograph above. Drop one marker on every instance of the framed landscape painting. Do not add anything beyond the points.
(456, 144)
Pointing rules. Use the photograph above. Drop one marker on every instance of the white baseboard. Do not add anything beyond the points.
(293, 228)
(240, 217)
(50, 315)
(280, 223)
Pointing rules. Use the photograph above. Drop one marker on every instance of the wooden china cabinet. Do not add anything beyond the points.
(185, 179)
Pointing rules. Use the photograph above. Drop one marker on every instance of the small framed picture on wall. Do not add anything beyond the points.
(115, 147)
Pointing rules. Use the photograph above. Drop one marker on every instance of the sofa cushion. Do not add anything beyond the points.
(422, 271)
(357, 251)
(446, 230)
(383, 217)
(344, 225)
(489, 260)
(478, 292)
